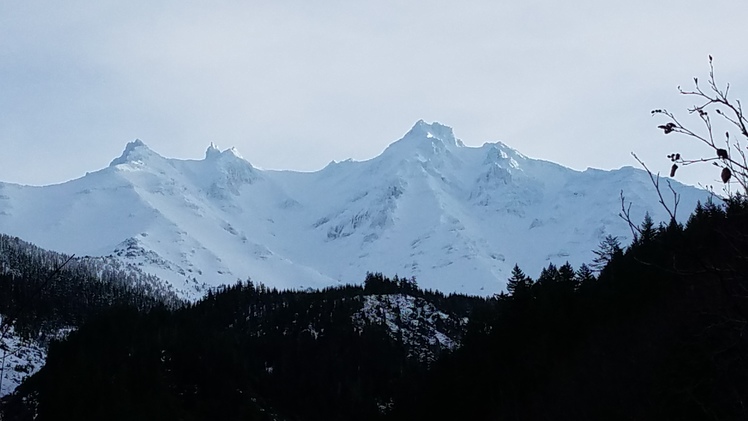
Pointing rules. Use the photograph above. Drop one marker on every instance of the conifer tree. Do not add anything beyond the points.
(518, 284)
(567, 277)
(584, 274)
(549, 275)
(647, 230)
(609, 247)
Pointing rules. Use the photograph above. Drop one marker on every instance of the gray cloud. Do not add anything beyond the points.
(296, 84)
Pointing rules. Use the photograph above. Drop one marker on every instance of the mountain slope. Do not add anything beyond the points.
(44, 295)
(458, 218)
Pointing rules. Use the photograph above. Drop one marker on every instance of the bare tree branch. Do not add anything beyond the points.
(626, 216)
(655, 178)
(731, 156)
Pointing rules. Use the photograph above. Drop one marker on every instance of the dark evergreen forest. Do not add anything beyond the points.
(43, 291)
(653, 330)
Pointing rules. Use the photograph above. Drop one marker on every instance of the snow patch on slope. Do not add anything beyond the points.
(21, 358)
(416, 322)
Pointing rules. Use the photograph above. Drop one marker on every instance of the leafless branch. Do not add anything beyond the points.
(626, 216)
(655, 178)
(731, 156)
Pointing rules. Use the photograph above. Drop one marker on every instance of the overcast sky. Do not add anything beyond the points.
(296, 84)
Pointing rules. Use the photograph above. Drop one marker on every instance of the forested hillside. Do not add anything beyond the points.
(44, 294)
(247, 352)
(42, 291)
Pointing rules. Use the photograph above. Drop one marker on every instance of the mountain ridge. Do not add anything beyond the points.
(456, 217)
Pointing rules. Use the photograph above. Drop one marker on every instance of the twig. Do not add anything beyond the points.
(626, 216)
(656, 182)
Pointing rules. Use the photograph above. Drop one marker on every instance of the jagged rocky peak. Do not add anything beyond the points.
(434, 130)
(426, 139)
(212, 152)
(434, 133)
(135, 151)
(232, 171)
(228, 154)
(500, 154)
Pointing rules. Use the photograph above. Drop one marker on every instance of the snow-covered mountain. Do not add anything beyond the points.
(457, 218)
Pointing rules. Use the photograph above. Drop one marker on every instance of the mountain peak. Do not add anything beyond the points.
(212, 151)
(134, 151)
(233, 151)
(426, 139)
(437, 131)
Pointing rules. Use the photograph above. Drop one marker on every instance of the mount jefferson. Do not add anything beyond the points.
(457, 218)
